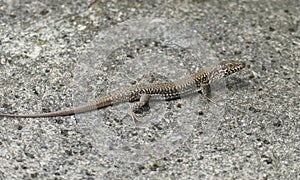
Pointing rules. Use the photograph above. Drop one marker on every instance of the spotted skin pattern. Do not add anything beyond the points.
(197, 82)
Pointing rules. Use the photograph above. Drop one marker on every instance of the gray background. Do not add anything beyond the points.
(259, 136)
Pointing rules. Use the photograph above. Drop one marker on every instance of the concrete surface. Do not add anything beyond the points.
(43, 43)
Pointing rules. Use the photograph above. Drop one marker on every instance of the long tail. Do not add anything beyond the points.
(101, 103)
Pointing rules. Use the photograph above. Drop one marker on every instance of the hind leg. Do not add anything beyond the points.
(144, 100)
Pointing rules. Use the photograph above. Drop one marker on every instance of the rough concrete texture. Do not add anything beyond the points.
(46, 61)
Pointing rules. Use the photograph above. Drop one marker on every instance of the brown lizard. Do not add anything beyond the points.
(198, 82)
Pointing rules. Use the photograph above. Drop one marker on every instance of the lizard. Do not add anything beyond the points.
(191, 83)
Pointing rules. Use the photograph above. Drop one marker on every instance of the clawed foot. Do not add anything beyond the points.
(133, 115)
(210, 99)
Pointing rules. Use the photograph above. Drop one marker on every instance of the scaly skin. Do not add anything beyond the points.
(198, 82)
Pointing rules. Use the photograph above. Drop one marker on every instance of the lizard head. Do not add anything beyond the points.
(223, 69)
(230, 67)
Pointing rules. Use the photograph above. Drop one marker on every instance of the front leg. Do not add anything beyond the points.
(206, 91)
(144, 100)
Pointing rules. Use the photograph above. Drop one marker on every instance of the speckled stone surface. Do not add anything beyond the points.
(41, 46)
